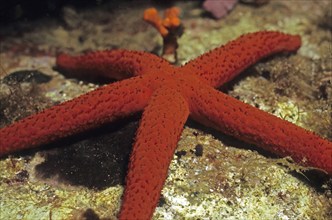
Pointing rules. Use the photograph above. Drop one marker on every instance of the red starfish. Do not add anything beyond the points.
(168, 94)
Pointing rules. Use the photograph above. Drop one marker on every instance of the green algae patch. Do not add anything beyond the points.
(233, 183)
(34, 199)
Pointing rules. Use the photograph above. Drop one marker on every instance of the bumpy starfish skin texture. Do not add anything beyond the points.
(167, 95)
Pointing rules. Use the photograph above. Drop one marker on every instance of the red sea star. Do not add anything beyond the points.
(167, 95)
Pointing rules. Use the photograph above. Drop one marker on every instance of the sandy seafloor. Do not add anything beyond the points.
(211, 176)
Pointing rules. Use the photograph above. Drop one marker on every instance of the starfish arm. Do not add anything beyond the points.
(250, 124)
(156, 140)
(113, 64)
(87, 111)
(224, 63)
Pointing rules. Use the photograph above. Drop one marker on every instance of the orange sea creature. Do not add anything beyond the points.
(169, 27)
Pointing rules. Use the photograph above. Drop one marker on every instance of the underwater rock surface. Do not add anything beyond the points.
(211, 175)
